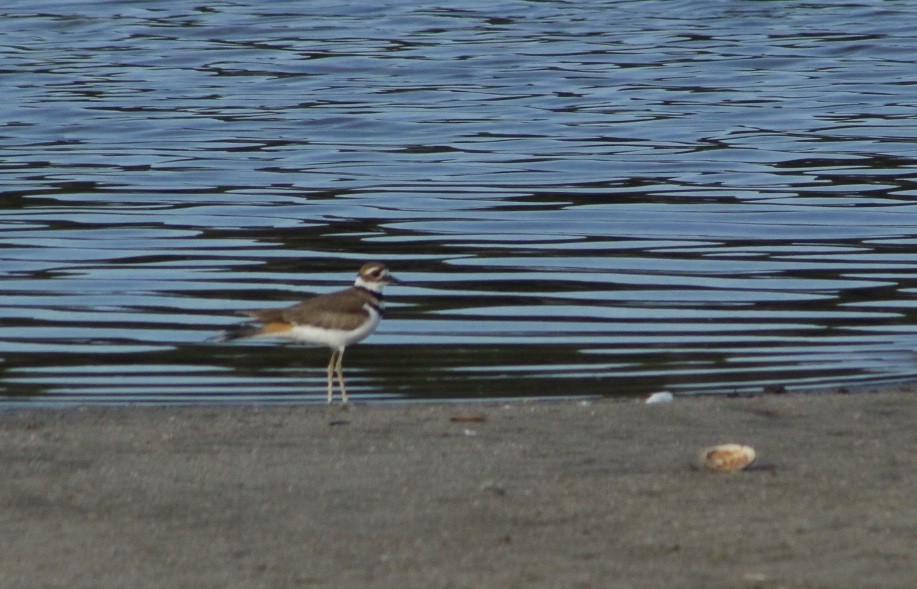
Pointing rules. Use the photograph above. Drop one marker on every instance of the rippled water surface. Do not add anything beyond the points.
(583, 198)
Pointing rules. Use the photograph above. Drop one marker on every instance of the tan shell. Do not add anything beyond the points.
(726, 457)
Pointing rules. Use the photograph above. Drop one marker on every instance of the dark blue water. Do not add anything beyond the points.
(585, 198)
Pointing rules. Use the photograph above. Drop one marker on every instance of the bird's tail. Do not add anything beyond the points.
(237, 332)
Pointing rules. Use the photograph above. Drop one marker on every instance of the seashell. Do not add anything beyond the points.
(660, 397)
(726, 457)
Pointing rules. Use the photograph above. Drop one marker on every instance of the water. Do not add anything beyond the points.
(589, 198)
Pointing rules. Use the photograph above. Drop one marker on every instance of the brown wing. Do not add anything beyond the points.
(340, 310)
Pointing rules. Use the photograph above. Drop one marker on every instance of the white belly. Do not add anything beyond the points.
(335, 338)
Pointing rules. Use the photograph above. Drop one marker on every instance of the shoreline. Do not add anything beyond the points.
(601, 493)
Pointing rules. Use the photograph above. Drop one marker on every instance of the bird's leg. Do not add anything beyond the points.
(334, 354)
(339, 368)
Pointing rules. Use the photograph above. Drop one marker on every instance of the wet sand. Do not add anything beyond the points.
(568, 494)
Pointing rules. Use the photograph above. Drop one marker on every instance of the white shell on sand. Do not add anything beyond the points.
(726, 457)
(660, 397)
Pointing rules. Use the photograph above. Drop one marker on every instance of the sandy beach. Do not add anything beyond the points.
(528, 494)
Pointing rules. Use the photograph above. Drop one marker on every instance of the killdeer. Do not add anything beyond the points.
(336, 320)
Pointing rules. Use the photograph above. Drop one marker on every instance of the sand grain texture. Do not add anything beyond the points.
(467, 495)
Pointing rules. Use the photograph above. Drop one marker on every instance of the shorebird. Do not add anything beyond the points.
(336, 320)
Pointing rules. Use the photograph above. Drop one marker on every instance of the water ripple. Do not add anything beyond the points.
(582, 198)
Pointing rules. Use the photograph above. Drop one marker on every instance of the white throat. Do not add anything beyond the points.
(373, 286)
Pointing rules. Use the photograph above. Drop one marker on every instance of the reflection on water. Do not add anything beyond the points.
(584, 199)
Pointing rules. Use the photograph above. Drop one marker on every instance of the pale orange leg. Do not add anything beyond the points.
(331, 363)
(339, 368)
